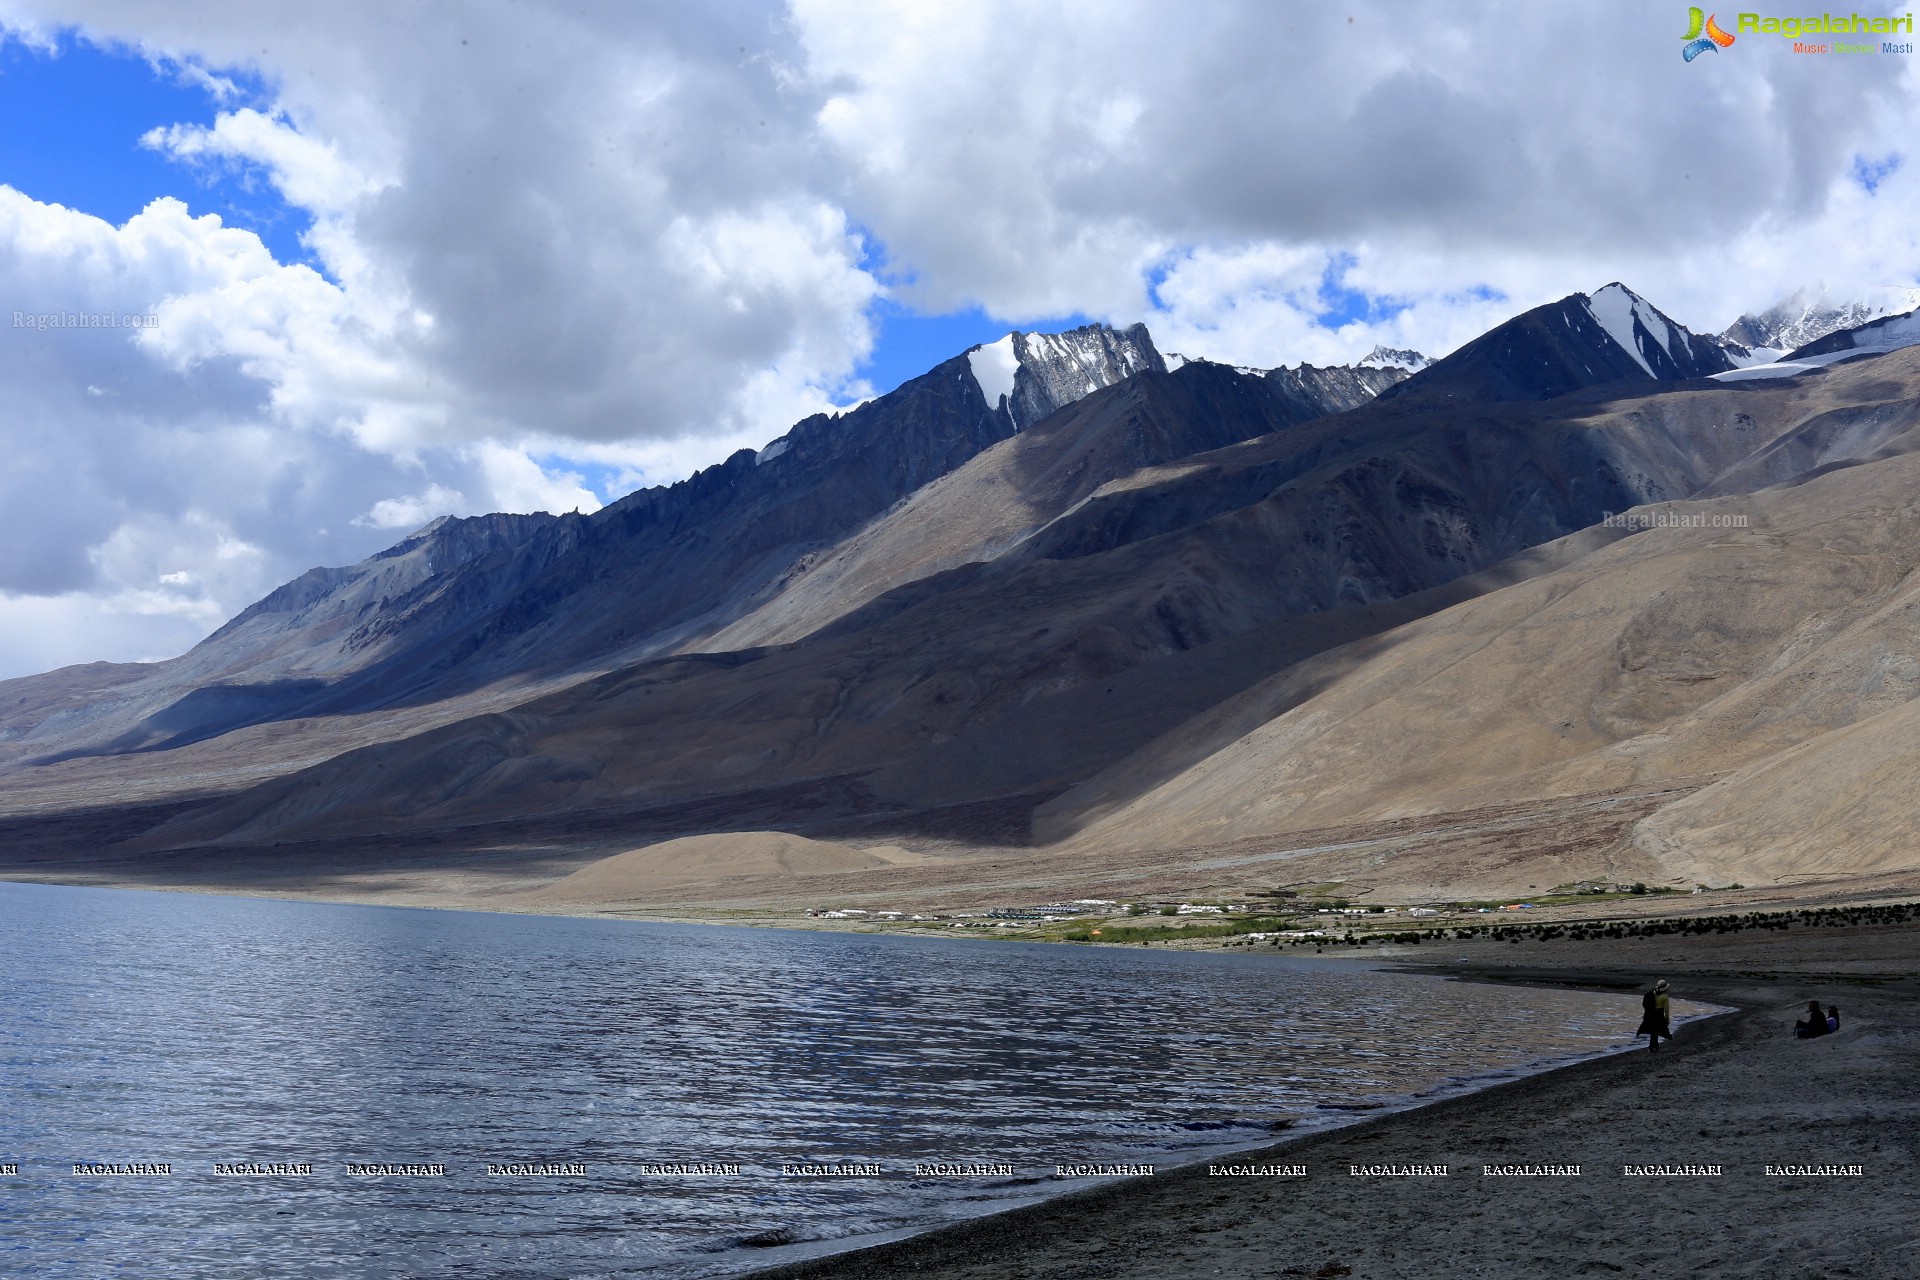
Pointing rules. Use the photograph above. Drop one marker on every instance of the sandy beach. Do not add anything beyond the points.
(1734, 1094)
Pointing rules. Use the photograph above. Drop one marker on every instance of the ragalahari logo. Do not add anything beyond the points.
(1703, 35)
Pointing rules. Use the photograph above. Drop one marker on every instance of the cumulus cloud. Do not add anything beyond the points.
(310, 173)
(1035, 159)
(414, 510)
(518, 483)
(621, 241)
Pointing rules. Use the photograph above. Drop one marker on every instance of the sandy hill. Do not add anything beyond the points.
(1780, 658)
(641, 875)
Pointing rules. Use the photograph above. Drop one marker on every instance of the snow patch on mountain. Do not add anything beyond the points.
(1032, 375)
(1617, 308)
(1889, 334)
(995, 366)
(1777, 369)
(1746, 357)
(1876, 337)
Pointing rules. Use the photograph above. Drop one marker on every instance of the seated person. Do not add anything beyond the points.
(1833, 1018)
(1815, 1023)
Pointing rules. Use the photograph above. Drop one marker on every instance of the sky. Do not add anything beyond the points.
(344, 269)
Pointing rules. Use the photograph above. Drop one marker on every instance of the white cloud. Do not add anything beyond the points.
(1041, 159)
(517, 483)
(413, 511)
(309, 173)
(522, 267)
(161, 478)
(42, 632)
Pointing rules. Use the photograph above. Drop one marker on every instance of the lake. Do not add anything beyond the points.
(307, 1089)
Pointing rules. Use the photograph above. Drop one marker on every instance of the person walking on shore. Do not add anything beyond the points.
(1654, 1017)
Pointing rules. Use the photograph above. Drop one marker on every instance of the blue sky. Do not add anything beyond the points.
(75, 118)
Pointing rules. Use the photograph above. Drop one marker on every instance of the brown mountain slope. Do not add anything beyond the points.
(1671, 656)
(264, 695)
(1844, 804)
(466, 607)
(639, 875)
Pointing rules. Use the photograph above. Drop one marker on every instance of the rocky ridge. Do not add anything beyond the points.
(1807, 315)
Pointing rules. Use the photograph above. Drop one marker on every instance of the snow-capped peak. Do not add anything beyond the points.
(1617, 307)
(1394, 358)
(1875, 337)
(1030, 375)
(1808, 314)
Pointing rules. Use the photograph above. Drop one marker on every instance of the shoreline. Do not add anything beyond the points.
(1602, 1114)
(1652, 908)
(1263, 1155)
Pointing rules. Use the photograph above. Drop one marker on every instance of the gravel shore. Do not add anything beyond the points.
(1700, 1124)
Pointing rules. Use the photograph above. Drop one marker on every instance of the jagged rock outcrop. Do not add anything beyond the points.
(1317, 392)
(1312, 392)
(1395, 358)
(1030, 376)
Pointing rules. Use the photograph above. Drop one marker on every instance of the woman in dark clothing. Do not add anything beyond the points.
(1816, 1023)
(1654, 1015)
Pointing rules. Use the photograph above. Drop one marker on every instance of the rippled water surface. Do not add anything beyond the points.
(169, 1028)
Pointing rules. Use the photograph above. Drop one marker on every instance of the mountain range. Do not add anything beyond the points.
(1576, 602)
(1808, 315)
